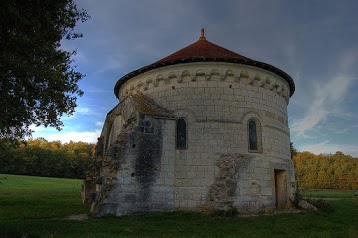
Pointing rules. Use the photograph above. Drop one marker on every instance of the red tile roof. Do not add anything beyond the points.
(204, 51)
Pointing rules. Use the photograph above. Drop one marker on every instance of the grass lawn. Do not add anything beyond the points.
(35, 206)
(328, 193)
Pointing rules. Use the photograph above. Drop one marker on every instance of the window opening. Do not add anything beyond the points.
(181, 134)
(147, 127)
(252, 135)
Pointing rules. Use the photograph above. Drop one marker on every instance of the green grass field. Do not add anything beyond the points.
(327, 193)
(35, 206)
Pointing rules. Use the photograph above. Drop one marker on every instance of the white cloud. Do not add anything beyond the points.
(89, 137)
(92, 89)
(86, 111)
(327, 102)
(82, 110)
(112, 62)
(51, 134)
(328, 99)
(33, 127)
(99, 123)
(78, 110)
(326, 147)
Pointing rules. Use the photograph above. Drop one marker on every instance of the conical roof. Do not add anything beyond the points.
(204, 51)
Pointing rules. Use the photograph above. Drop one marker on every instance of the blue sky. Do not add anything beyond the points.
(316, 42)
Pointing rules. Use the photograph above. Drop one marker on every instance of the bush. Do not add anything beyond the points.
(321, 205)
(297, 198)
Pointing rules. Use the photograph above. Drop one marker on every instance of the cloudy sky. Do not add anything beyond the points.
(316, 42)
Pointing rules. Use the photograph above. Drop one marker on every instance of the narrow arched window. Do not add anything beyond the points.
(254, 135)
(181, 134)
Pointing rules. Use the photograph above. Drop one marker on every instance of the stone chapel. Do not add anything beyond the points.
(204, 128)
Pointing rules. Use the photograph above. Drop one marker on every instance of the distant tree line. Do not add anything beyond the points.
(40, 157)
(326, 171)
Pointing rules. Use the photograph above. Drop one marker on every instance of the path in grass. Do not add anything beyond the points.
(31, 205)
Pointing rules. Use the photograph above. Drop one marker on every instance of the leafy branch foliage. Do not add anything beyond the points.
(38, 82)
(49, 159)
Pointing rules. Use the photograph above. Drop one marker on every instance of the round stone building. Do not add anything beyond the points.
(204, 128)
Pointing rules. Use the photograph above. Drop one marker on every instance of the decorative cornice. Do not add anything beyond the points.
(254, 63)
(239, 76)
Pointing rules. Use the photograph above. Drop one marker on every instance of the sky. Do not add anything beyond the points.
(315, 42)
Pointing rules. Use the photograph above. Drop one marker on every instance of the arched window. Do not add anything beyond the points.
(181, 134)
(254, 135)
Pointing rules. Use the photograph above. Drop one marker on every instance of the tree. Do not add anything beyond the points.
(293, 150)
(337, 171)
(38, 81)
(39, 157)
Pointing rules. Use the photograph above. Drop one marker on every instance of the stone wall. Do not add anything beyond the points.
(218, 99)
(217, 170)
(135, 171)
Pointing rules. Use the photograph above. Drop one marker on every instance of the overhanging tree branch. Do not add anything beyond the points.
(38, 82)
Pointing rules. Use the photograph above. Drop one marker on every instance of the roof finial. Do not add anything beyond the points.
(202, 37)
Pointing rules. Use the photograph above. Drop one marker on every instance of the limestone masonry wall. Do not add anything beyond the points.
(217, 170)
